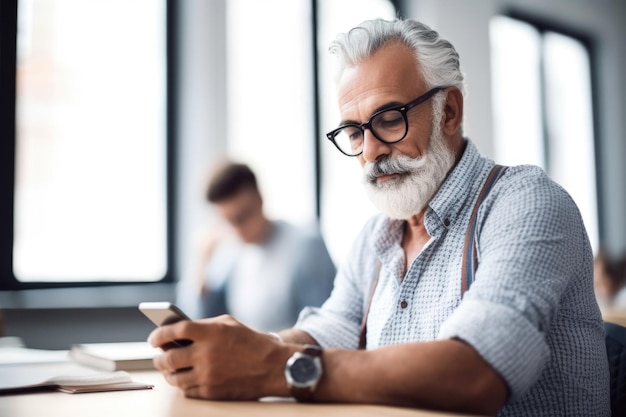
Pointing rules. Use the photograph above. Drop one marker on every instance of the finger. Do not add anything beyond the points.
(190, 329)
(173, 360)
(165, 334)
(183, 379)
(194, 392)
(201, 392)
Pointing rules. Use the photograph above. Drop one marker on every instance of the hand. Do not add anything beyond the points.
(226, 361)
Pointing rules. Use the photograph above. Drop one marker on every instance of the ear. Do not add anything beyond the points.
(453, 111)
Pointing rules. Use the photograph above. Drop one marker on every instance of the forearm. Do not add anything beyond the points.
(229, 361)
(441, 375)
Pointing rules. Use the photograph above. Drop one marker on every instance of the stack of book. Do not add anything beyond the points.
(126, 356)
(23, 369)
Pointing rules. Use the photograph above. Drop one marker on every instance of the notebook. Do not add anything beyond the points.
(25, 378)
(125, 356)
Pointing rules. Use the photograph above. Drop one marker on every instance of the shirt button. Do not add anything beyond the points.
(404, 304)
(446, 222)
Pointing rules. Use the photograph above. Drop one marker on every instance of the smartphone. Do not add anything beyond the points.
(163, 313)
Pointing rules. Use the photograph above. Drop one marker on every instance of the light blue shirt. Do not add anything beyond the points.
(531, 312)
(266, 285)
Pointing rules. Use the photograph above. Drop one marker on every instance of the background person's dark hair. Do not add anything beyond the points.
(228, 180)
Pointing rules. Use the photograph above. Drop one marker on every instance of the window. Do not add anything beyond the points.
(270, 117)
(92, 190)
(91, 139)
(542, 104)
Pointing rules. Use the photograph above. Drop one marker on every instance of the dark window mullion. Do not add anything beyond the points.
(8, 33)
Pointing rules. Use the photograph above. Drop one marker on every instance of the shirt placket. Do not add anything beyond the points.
(400, 325)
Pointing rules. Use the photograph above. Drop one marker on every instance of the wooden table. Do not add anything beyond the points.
(164, 400)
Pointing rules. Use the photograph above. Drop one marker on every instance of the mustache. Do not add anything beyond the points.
(387, 166)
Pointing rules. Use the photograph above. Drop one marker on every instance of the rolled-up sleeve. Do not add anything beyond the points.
(532, 254)
(328, 329)
(519, 357)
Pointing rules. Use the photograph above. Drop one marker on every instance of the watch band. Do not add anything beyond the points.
(305, 394)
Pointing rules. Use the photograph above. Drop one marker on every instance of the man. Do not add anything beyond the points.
(272, 269)
(526, 339)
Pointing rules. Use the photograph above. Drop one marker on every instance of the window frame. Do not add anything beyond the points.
(8, 62)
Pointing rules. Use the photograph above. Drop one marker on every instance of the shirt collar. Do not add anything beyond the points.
(458, 189)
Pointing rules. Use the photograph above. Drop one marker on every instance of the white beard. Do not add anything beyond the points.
(419, 178)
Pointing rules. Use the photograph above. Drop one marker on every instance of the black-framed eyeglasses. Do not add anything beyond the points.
(388, 126)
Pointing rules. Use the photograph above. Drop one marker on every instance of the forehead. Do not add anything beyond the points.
(390, 75)
(238, 201)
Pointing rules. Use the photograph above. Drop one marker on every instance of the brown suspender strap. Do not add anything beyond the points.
(470, 261)
(363, 334)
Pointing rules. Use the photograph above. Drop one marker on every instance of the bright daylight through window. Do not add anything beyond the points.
(90, 186)
(270, 101)
(543, 109)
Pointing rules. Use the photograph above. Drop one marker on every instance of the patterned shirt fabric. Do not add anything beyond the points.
(531, 311)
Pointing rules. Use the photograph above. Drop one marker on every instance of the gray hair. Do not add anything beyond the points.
(437, 58)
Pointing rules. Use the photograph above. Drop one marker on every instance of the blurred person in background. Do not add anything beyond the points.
(262, 271)
(609, 280)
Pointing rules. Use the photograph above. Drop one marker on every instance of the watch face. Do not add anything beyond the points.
(303, 370)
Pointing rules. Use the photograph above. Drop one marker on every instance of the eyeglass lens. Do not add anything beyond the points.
(388, 126)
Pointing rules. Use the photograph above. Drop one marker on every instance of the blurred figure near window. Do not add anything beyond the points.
(609, 280)
(261, 271)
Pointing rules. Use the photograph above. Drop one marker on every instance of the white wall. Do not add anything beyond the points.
(466, 24)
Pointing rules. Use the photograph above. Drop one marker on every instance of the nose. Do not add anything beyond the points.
(373, 148)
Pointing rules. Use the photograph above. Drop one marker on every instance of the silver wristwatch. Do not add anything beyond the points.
(304, 371)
